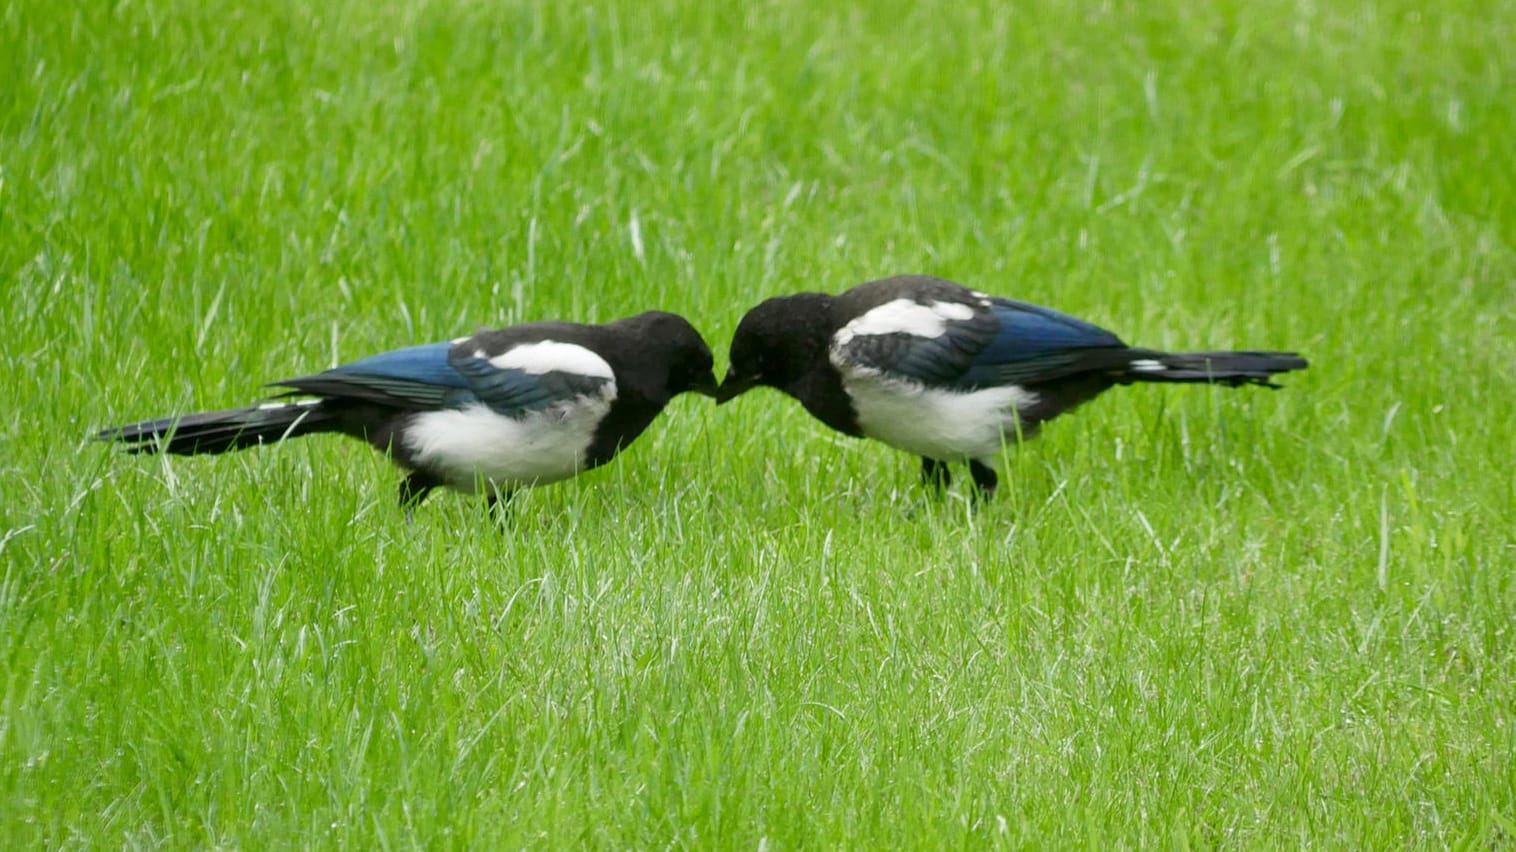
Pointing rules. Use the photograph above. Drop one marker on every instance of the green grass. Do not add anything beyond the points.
(1193, 616)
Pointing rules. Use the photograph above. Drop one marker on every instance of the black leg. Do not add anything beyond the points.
(984, 479)
(413, 490)
(935, 474)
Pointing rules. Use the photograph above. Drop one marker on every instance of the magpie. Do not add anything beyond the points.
(949, 373)
(497, 411)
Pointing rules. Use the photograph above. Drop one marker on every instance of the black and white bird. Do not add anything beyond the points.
(949, 373)
(498, 411)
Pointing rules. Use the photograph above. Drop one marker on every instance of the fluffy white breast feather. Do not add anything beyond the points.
(939, 424)
(476, 443)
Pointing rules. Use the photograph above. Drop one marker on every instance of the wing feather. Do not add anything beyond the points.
(976, 343)
(454, 375)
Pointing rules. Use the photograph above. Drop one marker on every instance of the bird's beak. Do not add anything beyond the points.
(706, 385)
(734, 386)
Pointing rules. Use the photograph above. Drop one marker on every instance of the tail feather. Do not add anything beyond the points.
(220, 431)
(1226, 368)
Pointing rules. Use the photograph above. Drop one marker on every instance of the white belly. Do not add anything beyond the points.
(937, 424)
(468, 445)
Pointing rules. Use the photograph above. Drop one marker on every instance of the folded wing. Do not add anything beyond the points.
(975, 343)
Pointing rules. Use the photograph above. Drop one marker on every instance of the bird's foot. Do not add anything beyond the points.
(985, 482)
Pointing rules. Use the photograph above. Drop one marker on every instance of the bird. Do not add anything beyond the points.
(497, 411)
(949, 373)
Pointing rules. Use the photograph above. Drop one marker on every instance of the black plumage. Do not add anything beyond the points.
(501, 409)
(949, 373)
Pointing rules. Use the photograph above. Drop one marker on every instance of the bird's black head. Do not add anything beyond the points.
(778, 343)
(687, 359)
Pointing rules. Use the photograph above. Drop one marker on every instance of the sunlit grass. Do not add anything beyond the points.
(1193, 615)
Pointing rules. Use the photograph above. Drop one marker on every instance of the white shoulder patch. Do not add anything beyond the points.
(551, 356)
(906, 316)
(953, 310)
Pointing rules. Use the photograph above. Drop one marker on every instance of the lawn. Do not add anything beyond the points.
(1192, 616)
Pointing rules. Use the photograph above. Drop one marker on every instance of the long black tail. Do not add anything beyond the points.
(1225, 368)
(219, 431)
